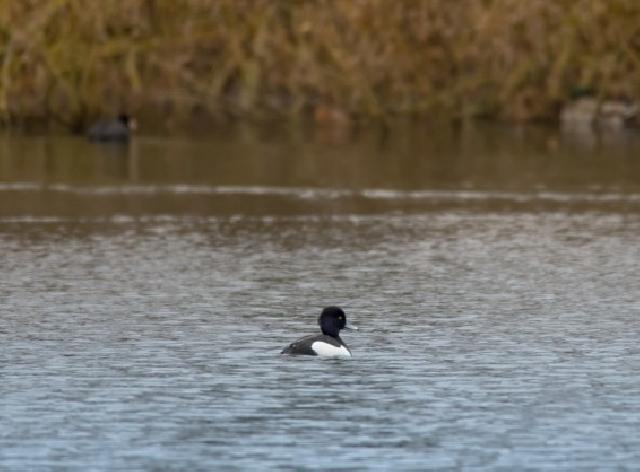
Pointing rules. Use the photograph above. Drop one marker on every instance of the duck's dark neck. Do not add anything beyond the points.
(334, 333)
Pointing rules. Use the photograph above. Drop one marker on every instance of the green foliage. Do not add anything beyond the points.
(72, 60)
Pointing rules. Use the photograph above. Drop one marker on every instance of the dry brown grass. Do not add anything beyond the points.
(72, 60)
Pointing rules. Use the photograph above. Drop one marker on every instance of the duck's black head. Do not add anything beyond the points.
(332, 320)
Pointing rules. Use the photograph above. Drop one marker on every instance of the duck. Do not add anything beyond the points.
(114, 130)
(586, 113)
(332, 319)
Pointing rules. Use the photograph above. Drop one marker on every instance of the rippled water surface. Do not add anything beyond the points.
(141, 319)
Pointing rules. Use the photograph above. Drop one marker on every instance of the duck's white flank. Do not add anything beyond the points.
(326, 349)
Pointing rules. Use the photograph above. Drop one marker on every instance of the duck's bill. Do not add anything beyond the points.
(349, 326)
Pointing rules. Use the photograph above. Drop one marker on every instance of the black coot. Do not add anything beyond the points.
(115, 130)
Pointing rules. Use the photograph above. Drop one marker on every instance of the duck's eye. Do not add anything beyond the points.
(339, 317)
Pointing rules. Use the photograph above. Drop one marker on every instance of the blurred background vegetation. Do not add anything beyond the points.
(171, 62)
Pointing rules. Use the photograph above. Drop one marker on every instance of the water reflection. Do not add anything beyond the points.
(492, 161)
(414, 157)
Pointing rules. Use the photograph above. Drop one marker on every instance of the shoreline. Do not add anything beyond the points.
(67, 63)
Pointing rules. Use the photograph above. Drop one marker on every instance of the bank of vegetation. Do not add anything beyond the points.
(68, 61)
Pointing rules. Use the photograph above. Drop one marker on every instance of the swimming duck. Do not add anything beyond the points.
(115, 130)
(331, 321)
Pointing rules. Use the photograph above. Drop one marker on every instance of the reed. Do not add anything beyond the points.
(69, 61)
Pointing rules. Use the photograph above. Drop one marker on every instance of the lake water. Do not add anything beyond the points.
(146, 292)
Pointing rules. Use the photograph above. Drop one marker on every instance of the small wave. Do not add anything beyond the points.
(316, 193)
